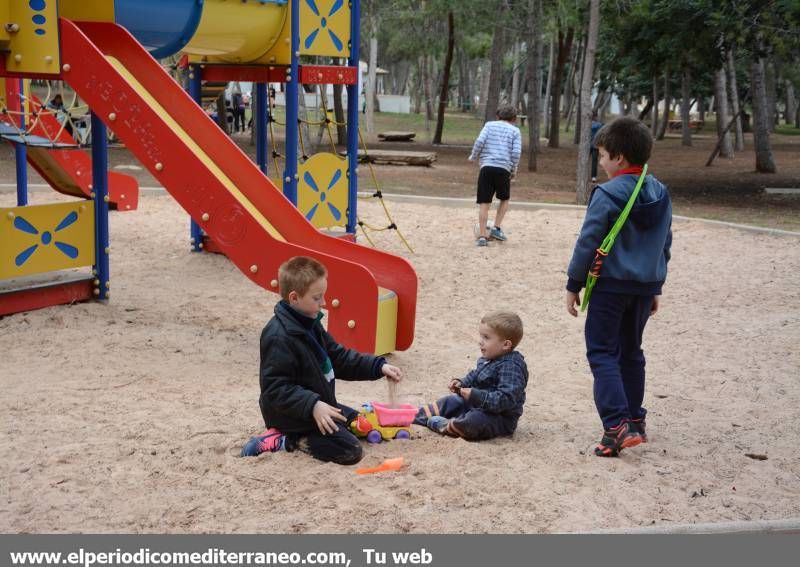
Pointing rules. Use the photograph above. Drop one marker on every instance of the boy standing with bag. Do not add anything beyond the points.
(629, 279)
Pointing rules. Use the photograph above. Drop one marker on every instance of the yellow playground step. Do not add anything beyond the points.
(386, 329)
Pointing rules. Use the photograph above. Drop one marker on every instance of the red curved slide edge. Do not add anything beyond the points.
(355, 271)
(70, 171)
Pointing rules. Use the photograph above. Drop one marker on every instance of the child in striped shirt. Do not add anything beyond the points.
(498, 149)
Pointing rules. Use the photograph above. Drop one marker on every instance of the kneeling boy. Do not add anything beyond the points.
(299, 362)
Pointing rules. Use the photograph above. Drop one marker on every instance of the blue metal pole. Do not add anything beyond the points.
(195, 91)
(21, 153)
(261, 125)
(352, 119)
(292, 91)
(100, 190)
(21, 156)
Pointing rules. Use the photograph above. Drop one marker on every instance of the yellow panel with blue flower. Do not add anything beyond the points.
(44, 238)
(322, 190)
(325, 28)
(33, 45)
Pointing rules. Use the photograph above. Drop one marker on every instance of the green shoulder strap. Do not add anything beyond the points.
(608, 242)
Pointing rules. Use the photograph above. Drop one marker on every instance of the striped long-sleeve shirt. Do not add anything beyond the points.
(498, 145)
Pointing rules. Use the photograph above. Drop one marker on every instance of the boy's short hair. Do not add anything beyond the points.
(298, 273)
(507, 112)
(626, 137)
(507, 325)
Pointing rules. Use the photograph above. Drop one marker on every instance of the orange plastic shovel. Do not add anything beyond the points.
(388, 465)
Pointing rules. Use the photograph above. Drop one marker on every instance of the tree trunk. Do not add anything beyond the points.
(770, 86)
(725, 147)
(576, 91)
(582, 185)
(444, 93)
(534, 52)
(719, 142)
(322, 91)
(338, 114)
(548, 88)
(628, 104)
(303, 133)
(701, 108)
(429, 92)
(400, 82)
(463, 82)
(654, 108)
(484, 86)
(734, 96)
(791, 103)
(372, 75)
(764, 160)
(569, 86)
(686, 106)
(536, 121)
(496, 64)
(648, 109)
(662, 127)
(515, 75)
(564, 47)
(419, 92)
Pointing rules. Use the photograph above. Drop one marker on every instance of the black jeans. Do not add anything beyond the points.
(341, 447)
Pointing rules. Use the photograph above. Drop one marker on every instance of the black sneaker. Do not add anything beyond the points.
(638, 425)
(616, 439)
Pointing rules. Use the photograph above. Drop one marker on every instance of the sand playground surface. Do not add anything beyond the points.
(128, 417)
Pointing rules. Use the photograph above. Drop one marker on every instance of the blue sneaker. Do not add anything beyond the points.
(483, 242)
(498, 234)
(438, 424)
(268, 442)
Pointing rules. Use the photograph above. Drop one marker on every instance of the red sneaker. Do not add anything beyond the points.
(616, 439)
(268, 442)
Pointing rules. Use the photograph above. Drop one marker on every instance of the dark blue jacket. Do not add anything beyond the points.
(291, 374)
(498, 385)
(595, 128)
(637, 263)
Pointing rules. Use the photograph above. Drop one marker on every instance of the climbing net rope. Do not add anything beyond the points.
(328, 124)
(72, 131)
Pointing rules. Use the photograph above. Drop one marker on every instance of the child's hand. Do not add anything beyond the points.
(572, 300)
(465, 392)
(455, 385)
(326, 416)
(392, 372)
(656, 305)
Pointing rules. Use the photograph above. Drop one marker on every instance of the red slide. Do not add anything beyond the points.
(248, 218)
(69, 171)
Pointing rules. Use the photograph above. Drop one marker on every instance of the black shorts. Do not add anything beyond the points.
(491, 181)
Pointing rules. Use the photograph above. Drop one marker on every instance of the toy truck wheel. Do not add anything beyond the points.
(402, 434)
(374, 436)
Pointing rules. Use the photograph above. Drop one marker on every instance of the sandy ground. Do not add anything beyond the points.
(129, 416)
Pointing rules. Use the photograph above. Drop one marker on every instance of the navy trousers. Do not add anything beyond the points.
(614, 327)
(472, 424)
(594, 152)
(340, 447)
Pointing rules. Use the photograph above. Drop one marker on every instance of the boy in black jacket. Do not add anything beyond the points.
(299, 361)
